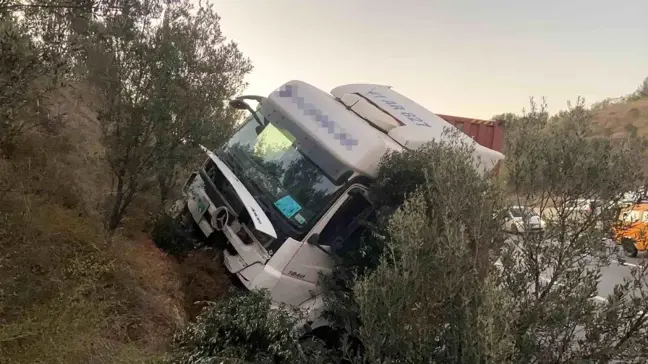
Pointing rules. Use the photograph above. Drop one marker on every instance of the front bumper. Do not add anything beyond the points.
(197, 197)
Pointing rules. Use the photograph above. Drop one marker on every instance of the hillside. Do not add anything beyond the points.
(618, 119)
(68, 292)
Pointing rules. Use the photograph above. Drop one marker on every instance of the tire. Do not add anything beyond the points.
(333, 340)
(324, 335)
(629, 247)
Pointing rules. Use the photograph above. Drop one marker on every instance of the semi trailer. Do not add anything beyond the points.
(289, 188)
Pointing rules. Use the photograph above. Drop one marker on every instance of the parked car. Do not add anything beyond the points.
(584, 205)
(630, 198)
(520, 219)
(582, 209)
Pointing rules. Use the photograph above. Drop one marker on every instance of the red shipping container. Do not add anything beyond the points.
(488, 133)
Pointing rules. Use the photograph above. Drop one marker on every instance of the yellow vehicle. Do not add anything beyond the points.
(631, 231)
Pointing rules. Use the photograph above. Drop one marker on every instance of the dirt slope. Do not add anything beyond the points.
(68, 292)
(620, 119)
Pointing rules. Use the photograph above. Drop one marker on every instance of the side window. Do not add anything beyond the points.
(356, 235)
(346, 221)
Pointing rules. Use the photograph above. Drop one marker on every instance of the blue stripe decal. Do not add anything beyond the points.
(346, 140)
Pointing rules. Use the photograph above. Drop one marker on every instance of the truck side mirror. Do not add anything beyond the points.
(314, 239)
(259, 129)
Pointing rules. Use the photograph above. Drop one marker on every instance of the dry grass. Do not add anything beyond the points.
(68, 294)
(620, 119)
(203, 279)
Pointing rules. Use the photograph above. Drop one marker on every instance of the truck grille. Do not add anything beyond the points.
(220, 191)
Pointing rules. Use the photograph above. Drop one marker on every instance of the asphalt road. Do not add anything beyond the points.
(616, 271)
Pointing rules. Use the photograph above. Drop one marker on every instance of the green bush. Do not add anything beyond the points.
(245, 329)
(443, 227)
(443, 284)
(170, 236)
(27, 74)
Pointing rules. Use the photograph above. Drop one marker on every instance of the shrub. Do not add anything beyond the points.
(27, 74)
(170, 236)
(245, 329)
(437, 249)
(447, 286)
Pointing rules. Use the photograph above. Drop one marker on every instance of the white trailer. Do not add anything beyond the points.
(289, 187)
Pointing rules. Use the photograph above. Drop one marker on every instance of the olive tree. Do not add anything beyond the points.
(440, 282)
(197, 75)
(28, 74)
(163, 71)
(554, 168)
(428, 293)
(245, 329)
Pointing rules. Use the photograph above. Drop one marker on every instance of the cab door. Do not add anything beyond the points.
(299, 278)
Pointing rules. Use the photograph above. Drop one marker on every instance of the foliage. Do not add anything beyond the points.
(163, 86)
(64, 292)
(640, 93)
(539, 157)
(169, 235)
(505, 118)
(245, 329)
(67, 293)
(436, 223)
(197, 72)
(27, 74)
(509, 120)
(550, 168)
(450, 287)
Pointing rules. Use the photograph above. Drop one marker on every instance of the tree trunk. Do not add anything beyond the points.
(114, 219)
(115, 216)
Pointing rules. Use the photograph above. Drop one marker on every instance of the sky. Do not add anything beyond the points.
(460, 57)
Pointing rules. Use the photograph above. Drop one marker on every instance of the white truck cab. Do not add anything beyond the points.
(288, 189)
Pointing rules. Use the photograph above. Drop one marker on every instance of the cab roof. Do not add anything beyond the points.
(345, 135)
(336, 126)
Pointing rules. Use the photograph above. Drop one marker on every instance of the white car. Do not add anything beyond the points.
(582, 209)
(631, 197)
(520, 219)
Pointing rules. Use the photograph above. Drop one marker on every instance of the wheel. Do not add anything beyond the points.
(324, 335)
(629, 247)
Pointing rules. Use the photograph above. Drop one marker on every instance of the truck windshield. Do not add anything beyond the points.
(266, 157)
